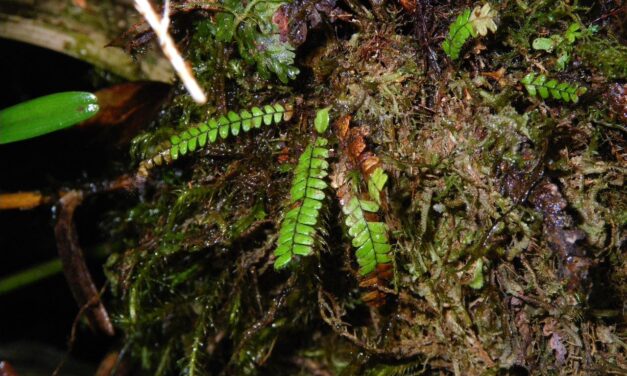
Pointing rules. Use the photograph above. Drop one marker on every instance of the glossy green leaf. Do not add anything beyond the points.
(321, 122)
(45, 115)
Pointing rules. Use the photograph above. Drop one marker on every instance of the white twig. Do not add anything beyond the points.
(160, 26)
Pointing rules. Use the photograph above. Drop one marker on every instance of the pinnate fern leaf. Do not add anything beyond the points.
(539, 84)
(458, 34)
(214, 129)
(369, 238)
(469, 24)
(296, 236)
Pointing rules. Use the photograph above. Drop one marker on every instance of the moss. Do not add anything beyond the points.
(491, 194)
(606, 55)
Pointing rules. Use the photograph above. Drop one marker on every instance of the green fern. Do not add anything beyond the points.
(466, 25)
(370, 238)
(200, 135)
(538, 84)
(458, 34)
(376, 182)
(296, 236)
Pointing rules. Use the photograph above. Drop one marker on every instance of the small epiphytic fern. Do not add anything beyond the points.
(540, 84)
(466, 25)
(369, 235)
(298, 230)
(200, 135)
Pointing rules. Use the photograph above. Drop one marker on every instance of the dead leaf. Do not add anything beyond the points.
(482, 19)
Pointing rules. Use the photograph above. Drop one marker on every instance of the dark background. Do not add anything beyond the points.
(35, 321)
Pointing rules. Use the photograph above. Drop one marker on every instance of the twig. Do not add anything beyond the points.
(23, 200)
(330, 312)
(74, 266)
(160, 27)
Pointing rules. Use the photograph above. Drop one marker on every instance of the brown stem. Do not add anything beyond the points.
(74, 266)
(23, 200)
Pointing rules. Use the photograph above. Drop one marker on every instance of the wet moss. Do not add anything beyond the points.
(502, 209)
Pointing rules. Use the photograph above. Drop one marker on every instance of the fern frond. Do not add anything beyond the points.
(369, 237)
(538, 84)
(458, 34)
(296, 236)
(469, 24)
(202, 134)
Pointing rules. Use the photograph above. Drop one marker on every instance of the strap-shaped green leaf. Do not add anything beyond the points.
(539, 84)
(202, 134)
(46, 114)
(458, 34)
(296, 236)
(369, 238)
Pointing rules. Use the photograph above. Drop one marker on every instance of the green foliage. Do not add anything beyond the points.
(478, 279)
(321, 122)
(458, 34)
(606, 54)
(376, 182)
(258, 42)
(45, 115)
(296, 236)
(370, 238)
(562, 44)
(548, 44)
(466, 25)
(232, 123)
(538, 84)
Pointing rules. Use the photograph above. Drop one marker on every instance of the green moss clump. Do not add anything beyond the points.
(506, 213)
(606, 55)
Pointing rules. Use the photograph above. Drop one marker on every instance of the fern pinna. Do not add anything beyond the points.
(200, 135)
(296, 236)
